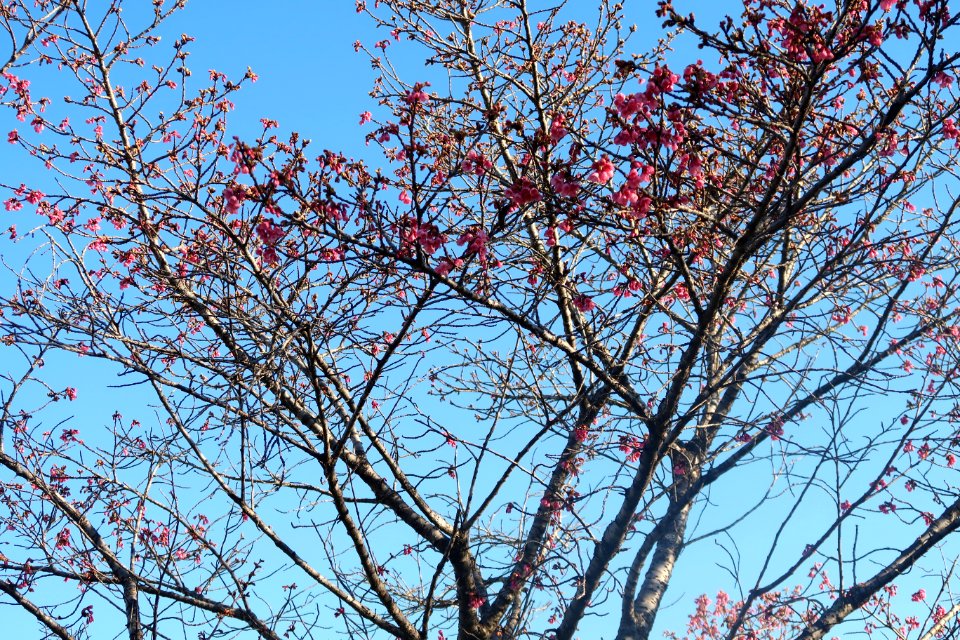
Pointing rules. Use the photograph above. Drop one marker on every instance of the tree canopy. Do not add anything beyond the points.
(583, 317)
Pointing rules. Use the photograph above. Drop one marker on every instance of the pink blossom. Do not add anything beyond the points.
(425, 234)
(477, 601)
(13, 137)
(417, 95)
(476, 241)
(550, 234)
(446, 265)
(54, 214)
(563, 186)
(232, 199)
(628, 195)
(269, 233)
(523, 192)
(63, 539)
(584, 303)
(943, 79)
(631, 446)
(603, 171)
(630, 105)
(919, 596)
(475, 163)
(775, 428)
(557, 128)
(365, 117)
(662, 79)
(821, 53)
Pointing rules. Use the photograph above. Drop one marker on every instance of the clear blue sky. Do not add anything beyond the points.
(312, 81)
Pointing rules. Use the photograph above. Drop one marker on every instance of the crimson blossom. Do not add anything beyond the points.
(601, 320)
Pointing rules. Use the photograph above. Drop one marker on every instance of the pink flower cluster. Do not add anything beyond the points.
(417, 95)
(233, 197)
(800, 34)
(424, 234)
(629, 195)
(523, 192)
(557, 128)
(475, 240)
(584, 303)
(662, 80)
(475, 163)
(603, 171)
(564, 186)
(269, 234)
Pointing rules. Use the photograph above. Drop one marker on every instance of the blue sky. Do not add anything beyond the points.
(312, 81)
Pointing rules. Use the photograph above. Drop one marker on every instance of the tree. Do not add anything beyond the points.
(591, 311)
